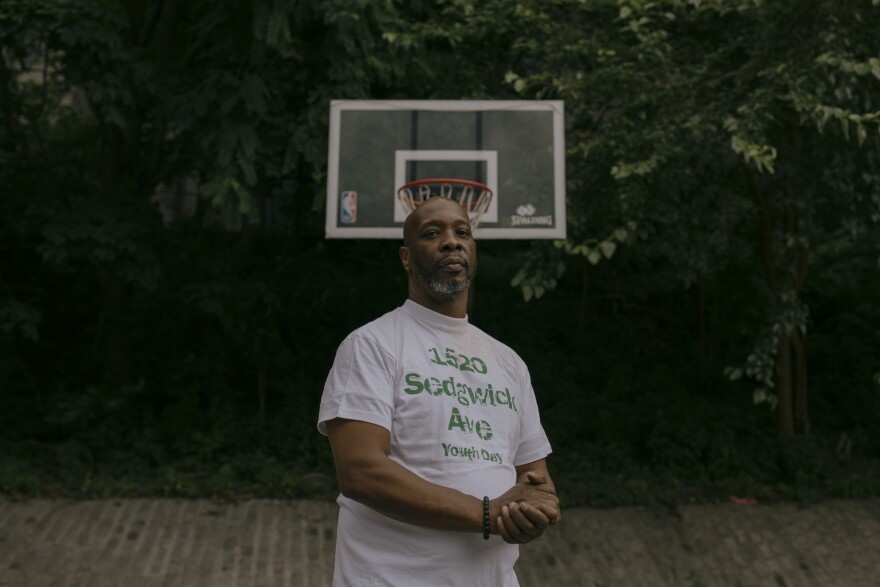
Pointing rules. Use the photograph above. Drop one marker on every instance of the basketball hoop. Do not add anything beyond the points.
(463, 191)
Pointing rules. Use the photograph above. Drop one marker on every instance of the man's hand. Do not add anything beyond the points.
(538, 480)
(535, 475)
(520, 523)
(526, 519)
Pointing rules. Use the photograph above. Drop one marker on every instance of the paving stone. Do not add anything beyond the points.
(275, 543)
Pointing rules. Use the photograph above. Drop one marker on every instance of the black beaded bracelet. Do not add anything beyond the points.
(485, 518)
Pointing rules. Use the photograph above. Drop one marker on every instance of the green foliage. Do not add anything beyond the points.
(169, 309)
(695, 121)
(20, 319)
(790, 314)
(540, 273)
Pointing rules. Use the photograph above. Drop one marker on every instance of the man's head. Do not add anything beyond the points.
(439, 252)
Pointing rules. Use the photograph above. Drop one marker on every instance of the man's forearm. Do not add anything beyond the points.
(395, 491)
(367, 475)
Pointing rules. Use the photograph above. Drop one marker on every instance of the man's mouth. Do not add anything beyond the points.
(453, 263)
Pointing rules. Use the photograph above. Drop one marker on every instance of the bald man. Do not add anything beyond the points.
(435, 431)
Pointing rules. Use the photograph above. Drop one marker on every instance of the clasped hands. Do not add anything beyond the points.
(523, 512)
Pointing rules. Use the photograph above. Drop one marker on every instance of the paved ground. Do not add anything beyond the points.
(164, 543)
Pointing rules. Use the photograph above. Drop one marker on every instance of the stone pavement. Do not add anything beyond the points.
(257, 543)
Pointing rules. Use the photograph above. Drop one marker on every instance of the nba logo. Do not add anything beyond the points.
(348, 209)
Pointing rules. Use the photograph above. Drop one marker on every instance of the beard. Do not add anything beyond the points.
(450, 288)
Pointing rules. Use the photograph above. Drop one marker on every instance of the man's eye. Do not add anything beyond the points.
(431, 233)
(464, 232)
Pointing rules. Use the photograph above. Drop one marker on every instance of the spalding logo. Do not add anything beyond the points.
(525, 210)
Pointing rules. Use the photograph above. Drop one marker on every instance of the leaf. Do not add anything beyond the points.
(620, 234)
(115, 116)
(594, 257)
(250, 175)
(527, 292)
(254, 92)
(261, 20)
(245, 201)
(274, 30)
(285, 29)
(16, 316)
(248, 140)
(518, 278)
(290, 157)
(227, 140)
(608, 248)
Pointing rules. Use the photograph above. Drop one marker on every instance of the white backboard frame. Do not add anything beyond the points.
(333, 230)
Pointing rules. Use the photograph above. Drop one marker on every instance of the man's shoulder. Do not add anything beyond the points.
(380, 330)
(501, 348)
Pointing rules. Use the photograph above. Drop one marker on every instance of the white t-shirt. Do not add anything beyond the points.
(462, 413)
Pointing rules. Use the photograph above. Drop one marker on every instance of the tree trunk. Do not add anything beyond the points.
(791, 384)
(784, 407)
(704, 354)
(114, 333)
(582, 310)
(262, 379)
(791, 361)
(799, 383)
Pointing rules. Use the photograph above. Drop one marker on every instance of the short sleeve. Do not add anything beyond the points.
(359, 386)
(533, 444)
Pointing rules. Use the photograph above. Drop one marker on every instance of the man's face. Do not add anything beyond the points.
(441, 255)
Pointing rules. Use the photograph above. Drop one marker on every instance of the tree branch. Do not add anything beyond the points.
(802, 266)
(150, 29)
(194, 49)
(8, 98)
(766, 232)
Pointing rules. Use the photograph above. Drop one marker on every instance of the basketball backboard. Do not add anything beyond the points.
(516, 148)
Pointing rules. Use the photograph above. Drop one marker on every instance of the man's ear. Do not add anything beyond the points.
(404, 257)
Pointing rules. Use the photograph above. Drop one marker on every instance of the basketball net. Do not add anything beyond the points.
(463, 191)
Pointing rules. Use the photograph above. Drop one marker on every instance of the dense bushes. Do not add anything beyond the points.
(630, 417)
(169, 308)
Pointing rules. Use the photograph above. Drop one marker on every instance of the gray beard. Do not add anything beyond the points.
(448, 289)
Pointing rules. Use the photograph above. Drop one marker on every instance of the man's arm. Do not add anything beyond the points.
(540, 476)
(521, 522)
(367, 475)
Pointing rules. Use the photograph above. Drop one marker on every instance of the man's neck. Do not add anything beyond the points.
(455, 307)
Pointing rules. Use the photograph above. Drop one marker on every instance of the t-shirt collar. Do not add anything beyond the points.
(435, 319)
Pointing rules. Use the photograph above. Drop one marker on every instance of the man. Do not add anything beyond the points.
(428, 417)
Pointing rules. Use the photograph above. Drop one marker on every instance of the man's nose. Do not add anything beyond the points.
(450, 241)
